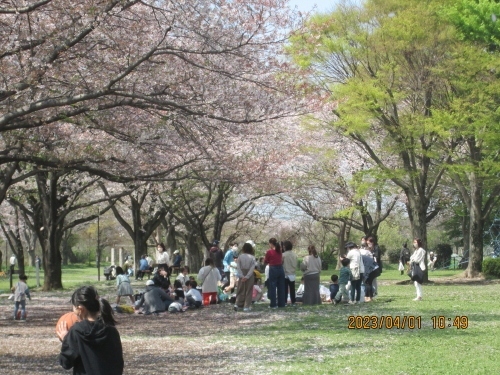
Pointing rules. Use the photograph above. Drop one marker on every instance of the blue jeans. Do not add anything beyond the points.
(356, 289)
(276, 283)
(23, 309)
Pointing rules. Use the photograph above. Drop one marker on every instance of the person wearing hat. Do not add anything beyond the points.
(154, 300)
(177, 259)
(357, 269)
(176, 265)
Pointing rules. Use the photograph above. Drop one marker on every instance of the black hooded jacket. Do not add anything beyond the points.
(92, 348)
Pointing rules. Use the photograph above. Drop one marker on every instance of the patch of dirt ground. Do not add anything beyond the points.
(183, 343)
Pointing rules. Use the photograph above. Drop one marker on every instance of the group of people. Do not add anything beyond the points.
(223, 273)
(360, 265)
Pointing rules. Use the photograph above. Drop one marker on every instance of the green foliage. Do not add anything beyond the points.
(393, 256)
(328, 260)
(443, 252)
(476, 20)
(491, 267)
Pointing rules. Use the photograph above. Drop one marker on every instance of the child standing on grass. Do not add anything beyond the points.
(123, 285)
(344, 277)
(21, 292)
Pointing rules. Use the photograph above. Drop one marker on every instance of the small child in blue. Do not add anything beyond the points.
(334, 287)
(344, 277)
(22, 291)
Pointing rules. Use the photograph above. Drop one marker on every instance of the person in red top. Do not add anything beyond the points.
(276, 283)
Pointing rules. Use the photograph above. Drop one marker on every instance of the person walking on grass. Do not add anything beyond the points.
(123, 286)
(246, 265)
(344, 277)
(20, 293)
(417, 265)
(92, 345)
(311, 266)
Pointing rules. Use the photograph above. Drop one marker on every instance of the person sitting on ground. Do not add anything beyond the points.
(193, 296)
(154, 300)
(334, 287)
(123, 286)
(257, 291)
(183, 276)
(299, 294)
(261, 266)
(178, 292)
(161, 278)
(143, 267)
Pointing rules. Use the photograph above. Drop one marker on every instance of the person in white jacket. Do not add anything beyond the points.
(418, 258)
(357, 269)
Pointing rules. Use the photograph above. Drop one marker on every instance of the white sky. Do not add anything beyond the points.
(307, 5)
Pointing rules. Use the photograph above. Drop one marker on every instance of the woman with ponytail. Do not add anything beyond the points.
(93, 345)
(276, 279)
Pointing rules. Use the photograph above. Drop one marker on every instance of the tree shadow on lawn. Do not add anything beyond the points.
(453, 282)
(213, 337)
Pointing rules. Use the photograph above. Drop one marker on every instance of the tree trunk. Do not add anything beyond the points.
(194, 254)
(476, 228)
(140, 247)
(417, 214)
(52, 257)
(170, 240)
(466, 232)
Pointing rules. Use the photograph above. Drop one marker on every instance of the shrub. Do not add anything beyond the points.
(328, 259)
(393, 256)
(491, 267)
(443, 252)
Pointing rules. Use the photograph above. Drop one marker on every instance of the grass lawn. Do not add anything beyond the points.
(297, 340)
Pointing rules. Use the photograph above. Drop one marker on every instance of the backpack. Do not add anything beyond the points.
(406, 253)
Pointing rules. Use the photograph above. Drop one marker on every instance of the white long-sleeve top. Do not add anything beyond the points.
(162, 258)
(356, 261)
(246, 262)
(419, 257)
